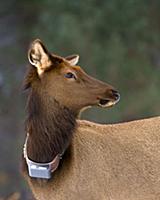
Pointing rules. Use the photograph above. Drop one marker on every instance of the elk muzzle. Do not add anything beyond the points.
(111, 100)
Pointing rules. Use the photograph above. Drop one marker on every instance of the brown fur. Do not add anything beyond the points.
(50, 129)
(118, 162)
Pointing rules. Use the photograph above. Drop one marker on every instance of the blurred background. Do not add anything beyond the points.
(118, 42)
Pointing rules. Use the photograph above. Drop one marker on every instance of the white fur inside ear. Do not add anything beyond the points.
(30, 58)
(38, 56)
(73, 59)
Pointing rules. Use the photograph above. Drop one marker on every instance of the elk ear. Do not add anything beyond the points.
(72, 59)
(39, 56)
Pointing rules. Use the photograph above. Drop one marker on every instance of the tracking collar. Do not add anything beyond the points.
(40, 170)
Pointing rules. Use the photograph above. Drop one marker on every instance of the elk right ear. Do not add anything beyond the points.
(39, 56)
(72, 59)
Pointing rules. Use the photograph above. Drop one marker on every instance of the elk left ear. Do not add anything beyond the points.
(39, 56)
(72, 59)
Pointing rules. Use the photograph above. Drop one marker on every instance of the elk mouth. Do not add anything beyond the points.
(107, 102)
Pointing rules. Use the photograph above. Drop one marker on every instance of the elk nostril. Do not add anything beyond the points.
(116, 94)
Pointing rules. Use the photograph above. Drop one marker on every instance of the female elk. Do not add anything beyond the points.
(119, 162)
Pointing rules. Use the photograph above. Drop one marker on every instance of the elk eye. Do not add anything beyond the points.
(70, 75)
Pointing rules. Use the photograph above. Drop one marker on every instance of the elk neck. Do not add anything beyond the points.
(50, 127)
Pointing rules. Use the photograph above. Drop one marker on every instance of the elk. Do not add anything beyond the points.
(106, 162)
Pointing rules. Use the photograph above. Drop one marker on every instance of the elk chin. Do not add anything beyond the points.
(105, 103)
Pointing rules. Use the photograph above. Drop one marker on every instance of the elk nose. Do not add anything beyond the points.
(116, 95)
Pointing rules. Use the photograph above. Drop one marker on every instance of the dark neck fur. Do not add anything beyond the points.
(50, 127)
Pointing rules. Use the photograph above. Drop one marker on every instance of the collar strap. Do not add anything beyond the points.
(40, 170)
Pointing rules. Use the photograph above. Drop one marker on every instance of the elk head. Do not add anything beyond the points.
(61, 79)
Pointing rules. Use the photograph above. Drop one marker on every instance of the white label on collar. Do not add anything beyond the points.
(40, 170)
(37, 171)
